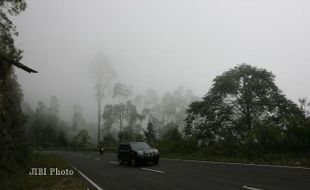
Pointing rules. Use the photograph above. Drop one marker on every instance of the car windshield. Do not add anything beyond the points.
(139, 146)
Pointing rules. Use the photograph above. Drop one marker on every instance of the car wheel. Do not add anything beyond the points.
(133, 162)
(120, 161)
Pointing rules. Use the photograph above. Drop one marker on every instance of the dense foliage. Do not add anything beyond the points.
(245, 112)
(12, 119)
(145, 117)
(44, 128)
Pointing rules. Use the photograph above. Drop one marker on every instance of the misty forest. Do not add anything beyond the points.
(240, 112)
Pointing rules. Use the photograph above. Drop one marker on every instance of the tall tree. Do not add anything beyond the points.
(53, 111)
(238, 100)
(12, 140)
(38, 124)
(150, 134)
(174, 105)
(77, 120)
(121, 92)
(8, 29)
(151, 98)
(138, 100)
(131, 116)
(54, 105)
(103, 75)
(108, 117)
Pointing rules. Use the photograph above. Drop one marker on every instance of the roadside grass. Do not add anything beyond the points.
(285, 159)
(88, 149)
(21, 180)
(268, 159)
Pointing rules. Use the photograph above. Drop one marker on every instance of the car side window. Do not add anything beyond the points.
(124, 147)
(127, 148)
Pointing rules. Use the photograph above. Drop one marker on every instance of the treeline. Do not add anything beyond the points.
(146, 115)
(244, 114)
(45, 129)
(14, 152)
(127, 117)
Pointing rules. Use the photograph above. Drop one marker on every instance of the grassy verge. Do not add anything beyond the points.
(21, 180)
(106, 149)
(269, 159)
(297, 160)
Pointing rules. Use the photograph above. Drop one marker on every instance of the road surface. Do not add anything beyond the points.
(104, 171)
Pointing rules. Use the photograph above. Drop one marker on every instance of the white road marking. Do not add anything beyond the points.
(237, 163)
(89, 180)
(251, 188)
(98, 159)
(158, 171)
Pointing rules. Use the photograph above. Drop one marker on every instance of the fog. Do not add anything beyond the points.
(159, 45)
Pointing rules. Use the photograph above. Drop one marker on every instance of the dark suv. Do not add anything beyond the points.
(136, 153)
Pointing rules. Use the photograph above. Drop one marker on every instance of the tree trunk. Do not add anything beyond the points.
(99, 99)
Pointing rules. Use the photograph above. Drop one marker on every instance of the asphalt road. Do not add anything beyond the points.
(178, 174)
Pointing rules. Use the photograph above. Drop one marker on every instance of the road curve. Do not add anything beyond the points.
(184, 175)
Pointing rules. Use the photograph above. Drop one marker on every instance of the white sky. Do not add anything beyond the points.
(159, 44)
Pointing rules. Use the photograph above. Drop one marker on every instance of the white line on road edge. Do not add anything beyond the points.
(237, 163)
(251, 188)
(153, 170)
(98, 159)
(89, 180)
(112, 162)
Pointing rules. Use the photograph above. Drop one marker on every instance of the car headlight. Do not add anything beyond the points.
(156, 151)
(140, 153)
